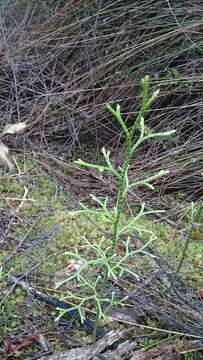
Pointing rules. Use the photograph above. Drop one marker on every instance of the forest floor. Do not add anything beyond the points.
(36, 230)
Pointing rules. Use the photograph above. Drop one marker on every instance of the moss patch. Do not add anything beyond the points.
(35, 211)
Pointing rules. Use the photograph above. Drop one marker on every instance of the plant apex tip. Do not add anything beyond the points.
(118, 108)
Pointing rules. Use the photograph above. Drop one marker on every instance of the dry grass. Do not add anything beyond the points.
(60, 65)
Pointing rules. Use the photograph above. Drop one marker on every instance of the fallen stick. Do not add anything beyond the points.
(95, 351)
(51, 300)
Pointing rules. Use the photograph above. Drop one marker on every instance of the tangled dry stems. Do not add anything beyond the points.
(61, 64)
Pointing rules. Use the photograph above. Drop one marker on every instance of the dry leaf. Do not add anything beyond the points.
(199, 293)
(15, 349)
(13, 128)
(133, 314)
(68, 270)
(4, 157)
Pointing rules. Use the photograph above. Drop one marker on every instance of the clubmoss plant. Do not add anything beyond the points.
(103, 262)
(193, 217)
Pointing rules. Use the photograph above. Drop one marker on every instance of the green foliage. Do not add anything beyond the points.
(106, 260)
(193, 216)
(51, 208)
(121, 173)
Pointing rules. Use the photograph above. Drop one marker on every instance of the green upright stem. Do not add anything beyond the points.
(187, 242)
(102, 292)
(184, 254)
(121, 194)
